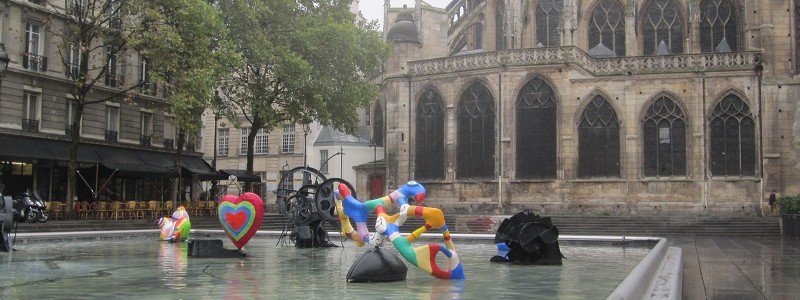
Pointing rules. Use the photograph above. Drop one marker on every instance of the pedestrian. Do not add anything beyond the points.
(773, 205)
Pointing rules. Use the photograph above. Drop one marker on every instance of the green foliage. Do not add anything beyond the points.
(304, 61)
(188, 47)
(789, 205)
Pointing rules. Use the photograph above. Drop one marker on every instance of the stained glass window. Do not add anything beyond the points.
(732, 138)
(718, 32)
(663, 28)
(548, 22)
(664, 139)
(598, 140)
(430, 136)
(607, 27)
(476, 135)
(536, 130)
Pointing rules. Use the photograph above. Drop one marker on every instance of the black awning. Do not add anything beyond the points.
(242, 175)
(196, 165)
(36, 148)
(128, 162)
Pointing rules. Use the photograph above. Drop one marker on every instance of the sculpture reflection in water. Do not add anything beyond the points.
(374, 264)
(526, 238)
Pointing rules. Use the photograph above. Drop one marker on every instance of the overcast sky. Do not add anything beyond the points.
(373, 9)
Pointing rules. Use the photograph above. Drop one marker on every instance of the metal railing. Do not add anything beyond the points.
(34, 62)
(30, 125)
(111, 135)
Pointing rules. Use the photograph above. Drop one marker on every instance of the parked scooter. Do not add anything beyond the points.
(29, 207)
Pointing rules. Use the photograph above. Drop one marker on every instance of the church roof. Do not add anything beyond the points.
(329, 136)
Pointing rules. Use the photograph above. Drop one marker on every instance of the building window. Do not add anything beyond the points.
(718, 22)
(145, 85)
(377, 126)
(732, 138)
(72, 109)
(147, 123)
(260, 143)
(548, 23)
(75, 8)
(598, 140)
(499, 22)
(323, 159)
(536, 117)
(476, 137)
(430, 136)
(223, 134)
(243, 141)
(663, 28)
(607, 28)
(33, 59)
(112, 123)
(30, 111)
(664, 138)
(288, 139)
(74, 61)
(113, 73)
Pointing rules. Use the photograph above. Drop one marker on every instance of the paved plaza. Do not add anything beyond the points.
(740, 267)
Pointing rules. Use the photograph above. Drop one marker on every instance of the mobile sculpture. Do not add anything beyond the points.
(388, 226)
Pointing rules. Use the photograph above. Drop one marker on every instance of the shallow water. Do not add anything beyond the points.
(145, 268)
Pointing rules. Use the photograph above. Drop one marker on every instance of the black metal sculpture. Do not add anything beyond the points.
(308, 210)
(531, 240)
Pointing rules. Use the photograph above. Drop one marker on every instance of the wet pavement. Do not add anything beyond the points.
(739, 267)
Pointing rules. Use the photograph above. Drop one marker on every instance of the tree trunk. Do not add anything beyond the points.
(255, 126)
(178, 158)
(72, 165)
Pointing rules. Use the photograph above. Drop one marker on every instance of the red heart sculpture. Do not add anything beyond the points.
(241, 217)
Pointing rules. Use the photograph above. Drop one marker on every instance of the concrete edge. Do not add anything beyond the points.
(659, 275)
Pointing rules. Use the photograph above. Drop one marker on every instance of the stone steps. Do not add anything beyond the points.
(568, 225)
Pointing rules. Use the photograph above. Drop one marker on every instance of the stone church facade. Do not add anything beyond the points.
(597, 107)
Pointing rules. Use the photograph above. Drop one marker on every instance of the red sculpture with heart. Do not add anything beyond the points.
(241, 217)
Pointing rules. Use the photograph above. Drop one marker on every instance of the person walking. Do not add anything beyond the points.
(773, 205)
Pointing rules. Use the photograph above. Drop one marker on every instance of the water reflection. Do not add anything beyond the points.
(146, 268)
(172, 264)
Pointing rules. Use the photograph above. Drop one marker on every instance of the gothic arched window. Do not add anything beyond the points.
(476, 137)
(718, 32)
(664, 138)
(598, 140)
(377, 126)
(536, 130)
(663, 28)
(430, 136)
(607, 27)
(548, 23)
(499, 20)
(733, 145)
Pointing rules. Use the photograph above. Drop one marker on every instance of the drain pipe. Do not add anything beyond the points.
(705, 148)
(500, 137)
(760, 74)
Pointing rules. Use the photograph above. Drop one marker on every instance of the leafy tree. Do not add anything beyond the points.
(304, 61)
(92, 35)
(186, 42)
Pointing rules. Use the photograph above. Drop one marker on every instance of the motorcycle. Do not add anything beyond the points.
(29, 207)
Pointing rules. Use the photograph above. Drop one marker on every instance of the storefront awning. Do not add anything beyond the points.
(125, 161)
(19, 147)
(242, 175)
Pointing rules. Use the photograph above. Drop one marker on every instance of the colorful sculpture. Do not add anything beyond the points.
(424, 257)
(241, 217)
(175, 228)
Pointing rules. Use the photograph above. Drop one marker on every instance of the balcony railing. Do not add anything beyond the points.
(73, 71)
(148, 88)
(169, 144)
(111, 135)
(34, 62)
(144, 140)
(68, 130)
(114, 80)
(30, 125)
(115, 23)
(681, 63)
